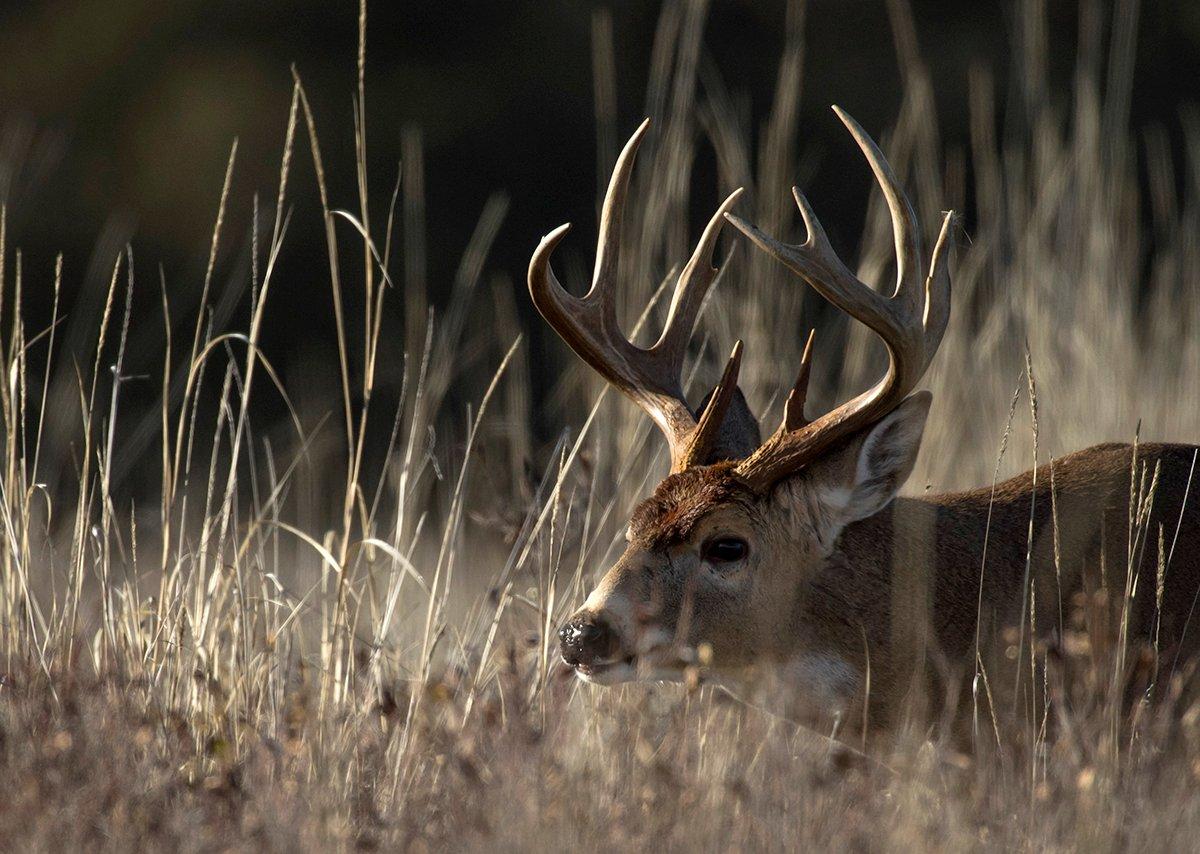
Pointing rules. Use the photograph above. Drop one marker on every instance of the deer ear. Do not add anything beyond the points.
(738, 436)
(886, 458)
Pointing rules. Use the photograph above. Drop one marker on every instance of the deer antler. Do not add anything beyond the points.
(651, 377)
(911, 323)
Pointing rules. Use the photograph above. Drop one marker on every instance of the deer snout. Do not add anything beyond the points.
(587, 639)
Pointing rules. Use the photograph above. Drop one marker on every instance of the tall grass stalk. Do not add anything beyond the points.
(337, 627)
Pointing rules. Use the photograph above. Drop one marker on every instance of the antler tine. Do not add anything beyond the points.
(905, 231)
(611, 214)
(937, 290)
(709, 427)
(793, 407)
(550, 297)
(650, 377)
(694, 282)
(598, 305)
(814, 231)
(911, 322)
(819, 266)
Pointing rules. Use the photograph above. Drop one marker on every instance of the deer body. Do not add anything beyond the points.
(919, 579)
(791, 562)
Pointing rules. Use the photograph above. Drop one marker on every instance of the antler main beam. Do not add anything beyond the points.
(651, 377)
(911, 322)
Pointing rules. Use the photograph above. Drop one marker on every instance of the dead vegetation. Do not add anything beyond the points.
(287, 647)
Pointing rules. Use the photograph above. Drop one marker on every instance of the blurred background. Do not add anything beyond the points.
(117, 121)
(268, 580)
(117, 118)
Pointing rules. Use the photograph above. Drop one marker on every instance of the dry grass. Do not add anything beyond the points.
(290, 647)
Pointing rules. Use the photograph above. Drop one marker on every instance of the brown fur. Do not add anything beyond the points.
(903, 594)
(905, 586)
(682, 500)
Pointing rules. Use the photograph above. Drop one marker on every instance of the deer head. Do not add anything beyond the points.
(722, 557)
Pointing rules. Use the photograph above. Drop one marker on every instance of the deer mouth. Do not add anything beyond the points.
(610, 672)
(652, 666)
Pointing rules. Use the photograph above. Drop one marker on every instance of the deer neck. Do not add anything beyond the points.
(907, 581)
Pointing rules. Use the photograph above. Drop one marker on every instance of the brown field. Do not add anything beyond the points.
(335, 629)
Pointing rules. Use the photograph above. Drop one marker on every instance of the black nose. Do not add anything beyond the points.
(587, 640)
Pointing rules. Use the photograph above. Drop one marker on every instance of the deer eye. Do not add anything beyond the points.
(725, 549)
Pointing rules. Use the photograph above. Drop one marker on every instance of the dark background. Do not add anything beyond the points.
(116, 118)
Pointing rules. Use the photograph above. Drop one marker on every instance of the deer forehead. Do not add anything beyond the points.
(682, 500)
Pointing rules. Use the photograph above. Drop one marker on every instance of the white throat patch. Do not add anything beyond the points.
(825, 680)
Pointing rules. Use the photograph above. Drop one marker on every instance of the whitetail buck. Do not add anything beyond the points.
(794, 556)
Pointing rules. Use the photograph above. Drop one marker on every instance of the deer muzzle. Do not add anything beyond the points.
(588, 642)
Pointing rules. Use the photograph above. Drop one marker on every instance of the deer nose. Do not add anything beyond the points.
(587, 640)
